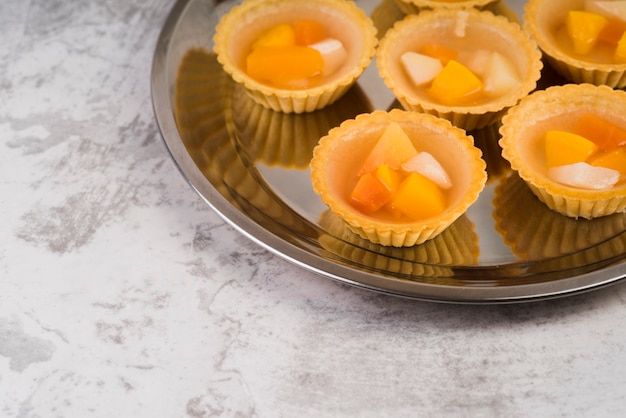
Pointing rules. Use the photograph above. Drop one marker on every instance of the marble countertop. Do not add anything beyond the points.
(122, 294)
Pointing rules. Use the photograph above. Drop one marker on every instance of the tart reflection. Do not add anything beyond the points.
(434, 259)
(287, 140)
(534, 232)
(486, 139)
(204, 114)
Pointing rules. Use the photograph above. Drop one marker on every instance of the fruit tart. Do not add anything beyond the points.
(295, 56)
(583, 40)
(569, 144)
(467, 66)
(397, 178)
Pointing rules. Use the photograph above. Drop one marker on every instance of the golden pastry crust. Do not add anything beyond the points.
(542, 19)
(559, 107)
(338, 154)
(476, 28)
(344, 21)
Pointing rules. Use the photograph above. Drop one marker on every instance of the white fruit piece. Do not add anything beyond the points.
(611, 9)
(476, 61)
(585, 176)
(501, 75)
(421, 68)
(333, 53)
(428, 166)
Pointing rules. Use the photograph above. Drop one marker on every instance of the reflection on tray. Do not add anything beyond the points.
(487, 140)
(535, 232)
(202, 93)
(287, 140)
(435, 259)
(385, 15)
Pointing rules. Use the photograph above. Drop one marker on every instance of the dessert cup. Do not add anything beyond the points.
(559, 108)
(466, 30)
(339, 154)
(344, 21)
(544, 21)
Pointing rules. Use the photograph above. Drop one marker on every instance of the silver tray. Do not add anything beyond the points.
(250, 165)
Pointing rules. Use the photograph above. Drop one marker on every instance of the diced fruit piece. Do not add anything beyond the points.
(420, 68)
(438, 51)
(370, 194)
(501, 75)
(279, 65)
(583, 29)
(585, 176)
(389, 177)
(456, 85)
(390, 209)
(419, 198)
(392, 148)
(603, 133)
(428, 166)
(611, 8)
(612, 32)
(308, 32)
(615, 160)
(564, 148)
(279, 35)
(620, 50)
(476, 61)
(333, 54)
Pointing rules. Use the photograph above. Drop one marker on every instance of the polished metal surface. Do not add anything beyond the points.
(250, 165)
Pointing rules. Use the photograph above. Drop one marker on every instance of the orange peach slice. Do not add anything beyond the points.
(584, 29)
(564, 148)
(280, 65)
(456, 85)
(419, 198)
(370, 194)
(603, 133)
(393, 148)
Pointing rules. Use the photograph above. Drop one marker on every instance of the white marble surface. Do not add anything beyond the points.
(122, 294)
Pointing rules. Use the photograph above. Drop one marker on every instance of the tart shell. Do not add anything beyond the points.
(559, 107)
(542, 19)
(497, 32)
(339, 153)
(344, 21)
